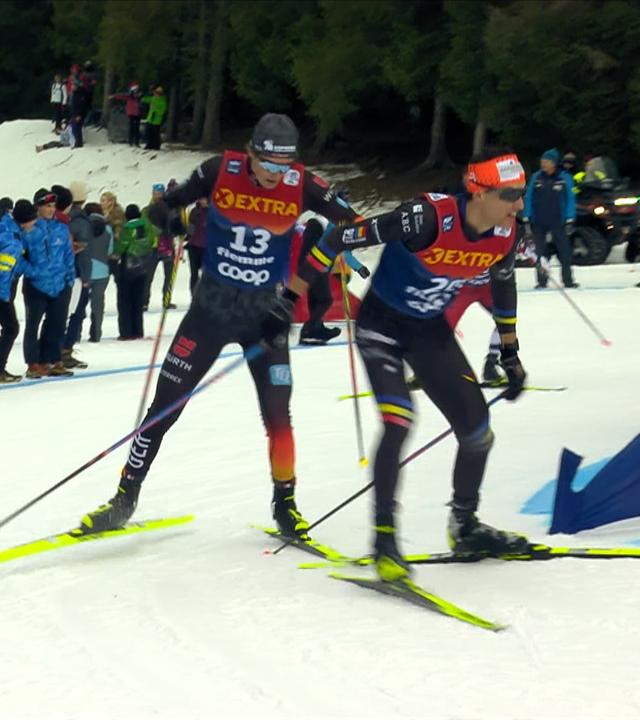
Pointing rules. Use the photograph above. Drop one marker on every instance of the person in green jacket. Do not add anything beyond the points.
(134, 247)
(157, 110)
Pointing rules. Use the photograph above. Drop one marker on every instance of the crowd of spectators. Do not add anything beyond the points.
(66, 249)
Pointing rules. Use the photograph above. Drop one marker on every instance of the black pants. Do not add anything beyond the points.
(134, 130)
(385, 339)
(196, 255)
(220, 315)
(74, 328)
(167, 268)
(153, 137)
(98, 289)
(9, 328)
(44, 345)
(58, 114)
(76, 127)
(131, 289)
(563, 248)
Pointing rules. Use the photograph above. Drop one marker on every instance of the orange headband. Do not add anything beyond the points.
(494, 173)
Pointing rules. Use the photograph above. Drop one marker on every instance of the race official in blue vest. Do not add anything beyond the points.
(550, 207)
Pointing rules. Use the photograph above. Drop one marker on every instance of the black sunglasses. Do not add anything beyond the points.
(509, 194)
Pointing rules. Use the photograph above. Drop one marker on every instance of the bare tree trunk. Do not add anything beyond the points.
(438, 155)
(479, 135)
(211, 128)
(172, 117)
(199, 76)
(108, 90)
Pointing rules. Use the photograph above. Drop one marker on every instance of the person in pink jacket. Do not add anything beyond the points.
(133, 109)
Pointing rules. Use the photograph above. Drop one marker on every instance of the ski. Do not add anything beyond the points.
(410, 592)
(309, 546)
(484, 385)
(76, 536)
(536, 552)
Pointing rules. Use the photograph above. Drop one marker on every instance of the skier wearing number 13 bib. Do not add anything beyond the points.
(255, 199)
(433, 246)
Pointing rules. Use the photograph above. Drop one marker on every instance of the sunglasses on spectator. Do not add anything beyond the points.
(47, 199)
(272, 167)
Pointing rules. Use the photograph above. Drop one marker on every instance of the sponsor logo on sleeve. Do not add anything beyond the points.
(320, 181)
(447, 223)
(280, 374)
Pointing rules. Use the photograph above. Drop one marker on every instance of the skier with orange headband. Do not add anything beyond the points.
(433, 246)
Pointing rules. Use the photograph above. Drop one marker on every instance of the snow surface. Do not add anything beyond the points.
(198, 622)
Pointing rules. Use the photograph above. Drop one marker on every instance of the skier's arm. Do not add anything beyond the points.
(413, 223)
(505, 297)
(165, 213)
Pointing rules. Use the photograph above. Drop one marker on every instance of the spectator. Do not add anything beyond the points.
(89, 81)
(12, 265)
(197, 240)
(65, 139)
(133, 98)
(100, 249)
(46, 293)
(550, 207)
(82, 234)
(157, 110)
(134, 250)
(58, 99)
(163, 250)
(114, 215)
(6, 206)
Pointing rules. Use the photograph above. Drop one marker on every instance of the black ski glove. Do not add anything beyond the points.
(515, 372)
(274, 328)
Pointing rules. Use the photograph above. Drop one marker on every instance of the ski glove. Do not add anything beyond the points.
(274, 328)
(515, 372)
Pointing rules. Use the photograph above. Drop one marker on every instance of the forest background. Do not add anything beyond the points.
(406, 83)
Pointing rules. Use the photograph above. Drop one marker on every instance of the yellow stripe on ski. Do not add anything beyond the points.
(62, 540)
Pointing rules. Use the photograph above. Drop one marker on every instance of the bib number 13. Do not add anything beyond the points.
(260, 236)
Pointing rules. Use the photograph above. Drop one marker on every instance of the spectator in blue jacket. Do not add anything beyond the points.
(550, 207)
(12, 265)
(47, 292)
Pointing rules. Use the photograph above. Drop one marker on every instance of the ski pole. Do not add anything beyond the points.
(444, 434)
(156, 345)
(574, 305)
(362, 458)
(249, 355)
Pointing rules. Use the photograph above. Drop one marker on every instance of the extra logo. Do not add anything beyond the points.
(226, 199)
(183, 347)
(447, 223)
(473, 259)
(245, 275)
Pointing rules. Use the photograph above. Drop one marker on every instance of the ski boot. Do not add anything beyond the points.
(467, 535)
(71, 362)
(285, 512)
(491, 371)
(390, 565)
(115, 513)
(317, 334)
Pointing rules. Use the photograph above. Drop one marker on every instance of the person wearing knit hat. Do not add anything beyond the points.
(550, 207)
(256, 198)
(79, 191)
(12, 264)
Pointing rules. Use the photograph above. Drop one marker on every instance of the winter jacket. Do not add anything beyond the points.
(48, 249)
(115, 218)
(133, 100)
(197, 227)
(157, 108)
(137, 238)
(100, 247)
(12, 260)
(550, 200)
(82, 234)
(58, 93)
